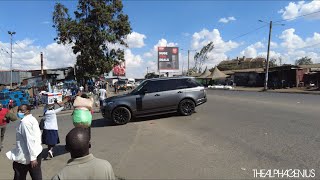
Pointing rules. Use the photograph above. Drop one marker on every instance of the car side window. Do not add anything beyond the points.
(151, 87)
(191, 83)
(167, 85)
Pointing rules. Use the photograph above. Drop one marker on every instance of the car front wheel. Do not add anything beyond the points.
(121, 115)
(186, 107)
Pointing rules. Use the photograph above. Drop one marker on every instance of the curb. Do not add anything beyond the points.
(272, 91)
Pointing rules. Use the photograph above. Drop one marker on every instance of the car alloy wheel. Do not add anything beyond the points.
(186, 107)
(121, 115)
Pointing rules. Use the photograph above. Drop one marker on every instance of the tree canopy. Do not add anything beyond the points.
(304, 61)
(96, 32)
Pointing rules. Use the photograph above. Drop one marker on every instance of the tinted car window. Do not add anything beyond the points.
(191, 83)
(152, 87)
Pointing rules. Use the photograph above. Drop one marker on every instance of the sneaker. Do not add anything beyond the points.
(50, 154)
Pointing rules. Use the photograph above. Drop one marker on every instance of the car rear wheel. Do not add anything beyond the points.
(121, 115)
(186, 107)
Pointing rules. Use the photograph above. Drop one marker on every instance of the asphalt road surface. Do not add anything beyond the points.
(229, 136)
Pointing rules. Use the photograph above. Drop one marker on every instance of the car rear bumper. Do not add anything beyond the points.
(201, 101)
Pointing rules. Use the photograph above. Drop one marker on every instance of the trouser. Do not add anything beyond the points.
(3, 131)
(21, 170)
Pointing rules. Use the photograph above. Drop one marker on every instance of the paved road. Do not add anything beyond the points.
(229, 136)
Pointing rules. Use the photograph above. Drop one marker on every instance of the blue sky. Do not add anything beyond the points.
(175, 22)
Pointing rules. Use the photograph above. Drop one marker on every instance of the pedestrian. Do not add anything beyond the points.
(3, 123)
(83, 165)
(26, 156)
(50, 136)
(102, 95)
(11, 104)
(5, 117)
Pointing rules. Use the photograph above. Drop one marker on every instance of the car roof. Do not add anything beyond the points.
(168, 78)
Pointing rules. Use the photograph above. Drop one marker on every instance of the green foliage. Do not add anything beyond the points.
(304, 61)
(97, 25)
(152, 75)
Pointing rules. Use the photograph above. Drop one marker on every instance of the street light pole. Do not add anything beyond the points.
(11, 33)
(268, 56)
(188, 63)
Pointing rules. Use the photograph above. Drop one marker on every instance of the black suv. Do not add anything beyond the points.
(154, 97)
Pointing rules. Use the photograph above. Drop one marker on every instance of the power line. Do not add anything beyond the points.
(248, 32)
(298, 16)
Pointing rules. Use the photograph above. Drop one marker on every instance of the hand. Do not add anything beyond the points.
(34, 164)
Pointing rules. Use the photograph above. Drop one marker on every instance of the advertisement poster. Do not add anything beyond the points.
(119, 69)
(168, 59)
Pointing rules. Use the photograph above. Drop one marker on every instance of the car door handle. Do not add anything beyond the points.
(157, 95)
(180, 92)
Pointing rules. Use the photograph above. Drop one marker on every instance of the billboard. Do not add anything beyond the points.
(168, 59)
(119, 69)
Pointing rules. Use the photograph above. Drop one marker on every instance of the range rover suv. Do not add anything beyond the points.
(155, 97)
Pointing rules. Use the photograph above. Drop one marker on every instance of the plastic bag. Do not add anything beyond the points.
(81, 117)
(83, 102)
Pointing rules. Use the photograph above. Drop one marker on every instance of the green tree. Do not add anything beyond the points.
(201, 57)
(93, 32)
(152, 75)
(273, 62)
(304, 61)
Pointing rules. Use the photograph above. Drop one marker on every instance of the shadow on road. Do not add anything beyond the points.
(107, 122)
(57, 151)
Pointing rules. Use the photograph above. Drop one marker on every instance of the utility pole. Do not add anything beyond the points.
(74, 72)
(188, 63)
(268, 56)
(147, 71)
(11, 33)
(41, 59)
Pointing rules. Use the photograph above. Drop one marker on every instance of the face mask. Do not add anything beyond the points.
(20, 115)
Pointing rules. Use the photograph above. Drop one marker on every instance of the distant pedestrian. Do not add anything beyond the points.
(82, 164)
(102, 95)
(50, 136)
(26, 156)
(81, 89)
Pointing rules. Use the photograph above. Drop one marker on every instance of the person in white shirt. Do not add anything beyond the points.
(26, 156)
(102, 95)
(81, 88)
(50, 136)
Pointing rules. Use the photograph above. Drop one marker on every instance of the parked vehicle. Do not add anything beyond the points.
(154, 97)
(121, 85)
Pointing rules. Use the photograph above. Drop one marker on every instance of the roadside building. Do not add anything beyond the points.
(17, 76)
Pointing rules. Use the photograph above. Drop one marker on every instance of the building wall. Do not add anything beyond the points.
(17, 77)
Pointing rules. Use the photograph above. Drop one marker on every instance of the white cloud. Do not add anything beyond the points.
(291, 40)
(185, 34)
(292, 48)
(221, 47)
(251, 51)
(26, 56)
(135, 40)
(227, 19)
(273, 44)
(295, 9)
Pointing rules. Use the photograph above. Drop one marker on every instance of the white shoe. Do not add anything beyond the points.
(50, 154)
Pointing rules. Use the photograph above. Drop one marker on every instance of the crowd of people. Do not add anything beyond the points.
(27, 154)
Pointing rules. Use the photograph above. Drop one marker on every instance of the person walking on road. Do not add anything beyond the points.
(26, 156)
(3, 123)
(50, 136)
(5, 117)
(102, 95)
(82, 164)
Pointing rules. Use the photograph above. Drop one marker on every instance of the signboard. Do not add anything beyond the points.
(168, 59)
(119, 69)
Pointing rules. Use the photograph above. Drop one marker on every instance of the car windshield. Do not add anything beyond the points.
(138, 88)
